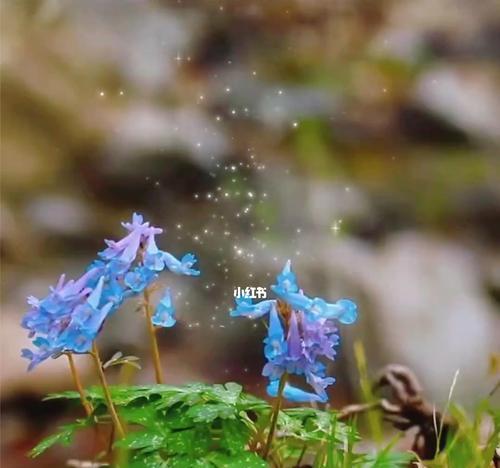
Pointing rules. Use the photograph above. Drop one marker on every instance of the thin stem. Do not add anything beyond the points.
(301, 456)
(107, 394)
(78, 384)
(155, 352)
(275, 414)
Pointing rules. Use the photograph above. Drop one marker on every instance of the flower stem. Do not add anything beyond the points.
(107, 394)
(78, 385)
(155, 352)
(274, 416)
(301, 456)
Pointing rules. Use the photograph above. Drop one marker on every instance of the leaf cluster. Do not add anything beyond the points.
(218, 426)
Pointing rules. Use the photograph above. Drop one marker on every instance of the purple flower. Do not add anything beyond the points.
(311, 335)
(43, 351)
(126, 250)
(58, 318)
(71, 316)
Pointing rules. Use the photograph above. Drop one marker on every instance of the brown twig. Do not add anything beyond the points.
(409, 409)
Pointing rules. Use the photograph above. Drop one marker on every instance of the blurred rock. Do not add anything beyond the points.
(60, 216)
(155, 36)
(468, 97)
(425, 307)
(144, 129)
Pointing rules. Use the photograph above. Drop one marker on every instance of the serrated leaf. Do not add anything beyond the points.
(235, 435)
(176, 418)
(145, 415)
(210, 411)
(244, 460)
(251, 403)
(149, 460)
(194, 442)
(227, 393)
(63, 437)
(146, 440)
(188, 462)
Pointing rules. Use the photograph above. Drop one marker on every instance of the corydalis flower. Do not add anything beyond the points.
(292, 393)
(139, 247)
(71, 316)
(164, 315)
(69, 312)
(301, 333)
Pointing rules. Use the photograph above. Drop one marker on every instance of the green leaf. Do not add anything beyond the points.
(69, 395)
(195, 442)
(251, 403)
(147, 440)
(145, 415)
(64, 437)
(188, 462)
(208, 412)
(227, 393)
(244, 460)
(150, 460)
(176, 418)
(235, 435)
(387, 460)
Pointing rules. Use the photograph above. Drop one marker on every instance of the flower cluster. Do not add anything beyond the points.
(71, 316)
(301, 334)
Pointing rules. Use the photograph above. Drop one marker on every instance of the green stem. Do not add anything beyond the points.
(155, 352)
(107, 394)
(301, 456)
(275, 414)
(78, 384)
(374, 420)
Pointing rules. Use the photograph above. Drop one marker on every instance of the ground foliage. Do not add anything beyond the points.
(201, 425)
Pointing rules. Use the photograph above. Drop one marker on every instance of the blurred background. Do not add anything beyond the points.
(358, 138)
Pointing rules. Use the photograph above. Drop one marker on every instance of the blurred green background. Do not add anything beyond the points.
(359, 138)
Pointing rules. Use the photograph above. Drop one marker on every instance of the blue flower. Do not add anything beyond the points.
(287, 280)
(43, 352)
(275, 344)
(349, 311)
(71, 316)
(86, 322)
(311, 335)
(294, 394)
(180, 267)
(116, 292)
(164, 315)
(246, 308)
(139, 279)
(126, 250)
(319, 384)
